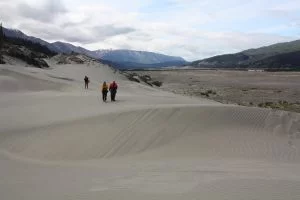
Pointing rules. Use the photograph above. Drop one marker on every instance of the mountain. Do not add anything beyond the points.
(274, 49)
(143, 57)
(58, 47)
(281, 55)
(132, 66)
(289, 60)
(66, 48)
(101, 52)
(139, 59)
(14, 33)
(118, 58)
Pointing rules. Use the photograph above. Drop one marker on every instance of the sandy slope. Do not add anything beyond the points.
(59, 141)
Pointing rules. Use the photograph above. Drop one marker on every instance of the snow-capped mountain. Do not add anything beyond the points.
(120, 58)
(102, 52)
(143, 57)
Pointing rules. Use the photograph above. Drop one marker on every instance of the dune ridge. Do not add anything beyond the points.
(194, 130)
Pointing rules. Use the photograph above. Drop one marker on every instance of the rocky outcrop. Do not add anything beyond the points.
(142, 79)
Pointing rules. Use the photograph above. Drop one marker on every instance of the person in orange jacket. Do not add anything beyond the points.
(104, 91)
(113, 90)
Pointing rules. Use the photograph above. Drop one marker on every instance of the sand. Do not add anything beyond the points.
(59, 141)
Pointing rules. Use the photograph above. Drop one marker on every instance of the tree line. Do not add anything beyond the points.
(1, 43)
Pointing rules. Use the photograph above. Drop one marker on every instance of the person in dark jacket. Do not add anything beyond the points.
(113, 90)
(86, 82)
(104, 91)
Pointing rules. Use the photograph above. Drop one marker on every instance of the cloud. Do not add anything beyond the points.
(187, 28)
(45, 13)
(76, 34)
(110, 30)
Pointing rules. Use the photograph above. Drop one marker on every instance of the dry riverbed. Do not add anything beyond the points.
(278, 90)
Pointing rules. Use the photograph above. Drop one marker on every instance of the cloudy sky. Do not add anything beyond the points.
(192, 29)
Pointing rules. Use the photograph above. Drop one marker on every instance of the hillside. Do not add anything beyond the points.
(119, 58)
(281, 55)
(30, 52)
(274, 49)
(281, 61)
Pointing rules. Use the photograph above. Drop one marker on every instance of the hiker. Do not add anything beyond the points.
(86, 82)
(104, 91)
(113, 90)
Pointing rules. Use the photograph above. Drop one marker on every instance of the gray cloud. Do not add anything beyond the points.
(78, 34)
(103, 32)
(141, 36)
(94, 34)
(53, 33)
(46, 13)
(6, 11)
(185, 32)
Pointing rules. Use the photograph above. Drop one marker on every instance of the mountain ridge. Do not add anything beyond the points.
(279, 55)
(119, 56)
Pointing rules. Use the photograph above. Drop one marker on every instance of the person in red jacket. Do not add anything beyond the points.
(113, 90)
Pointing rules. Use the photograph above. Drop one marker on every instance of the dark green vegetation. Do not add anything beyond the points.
(25, 53)
(30, 52)
(1, 44)
(35, 47)
(277, 57)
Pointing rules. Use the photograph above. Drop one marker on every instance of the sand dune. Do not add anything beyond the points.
(59, 141)
(16, 82)
(165, 132)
